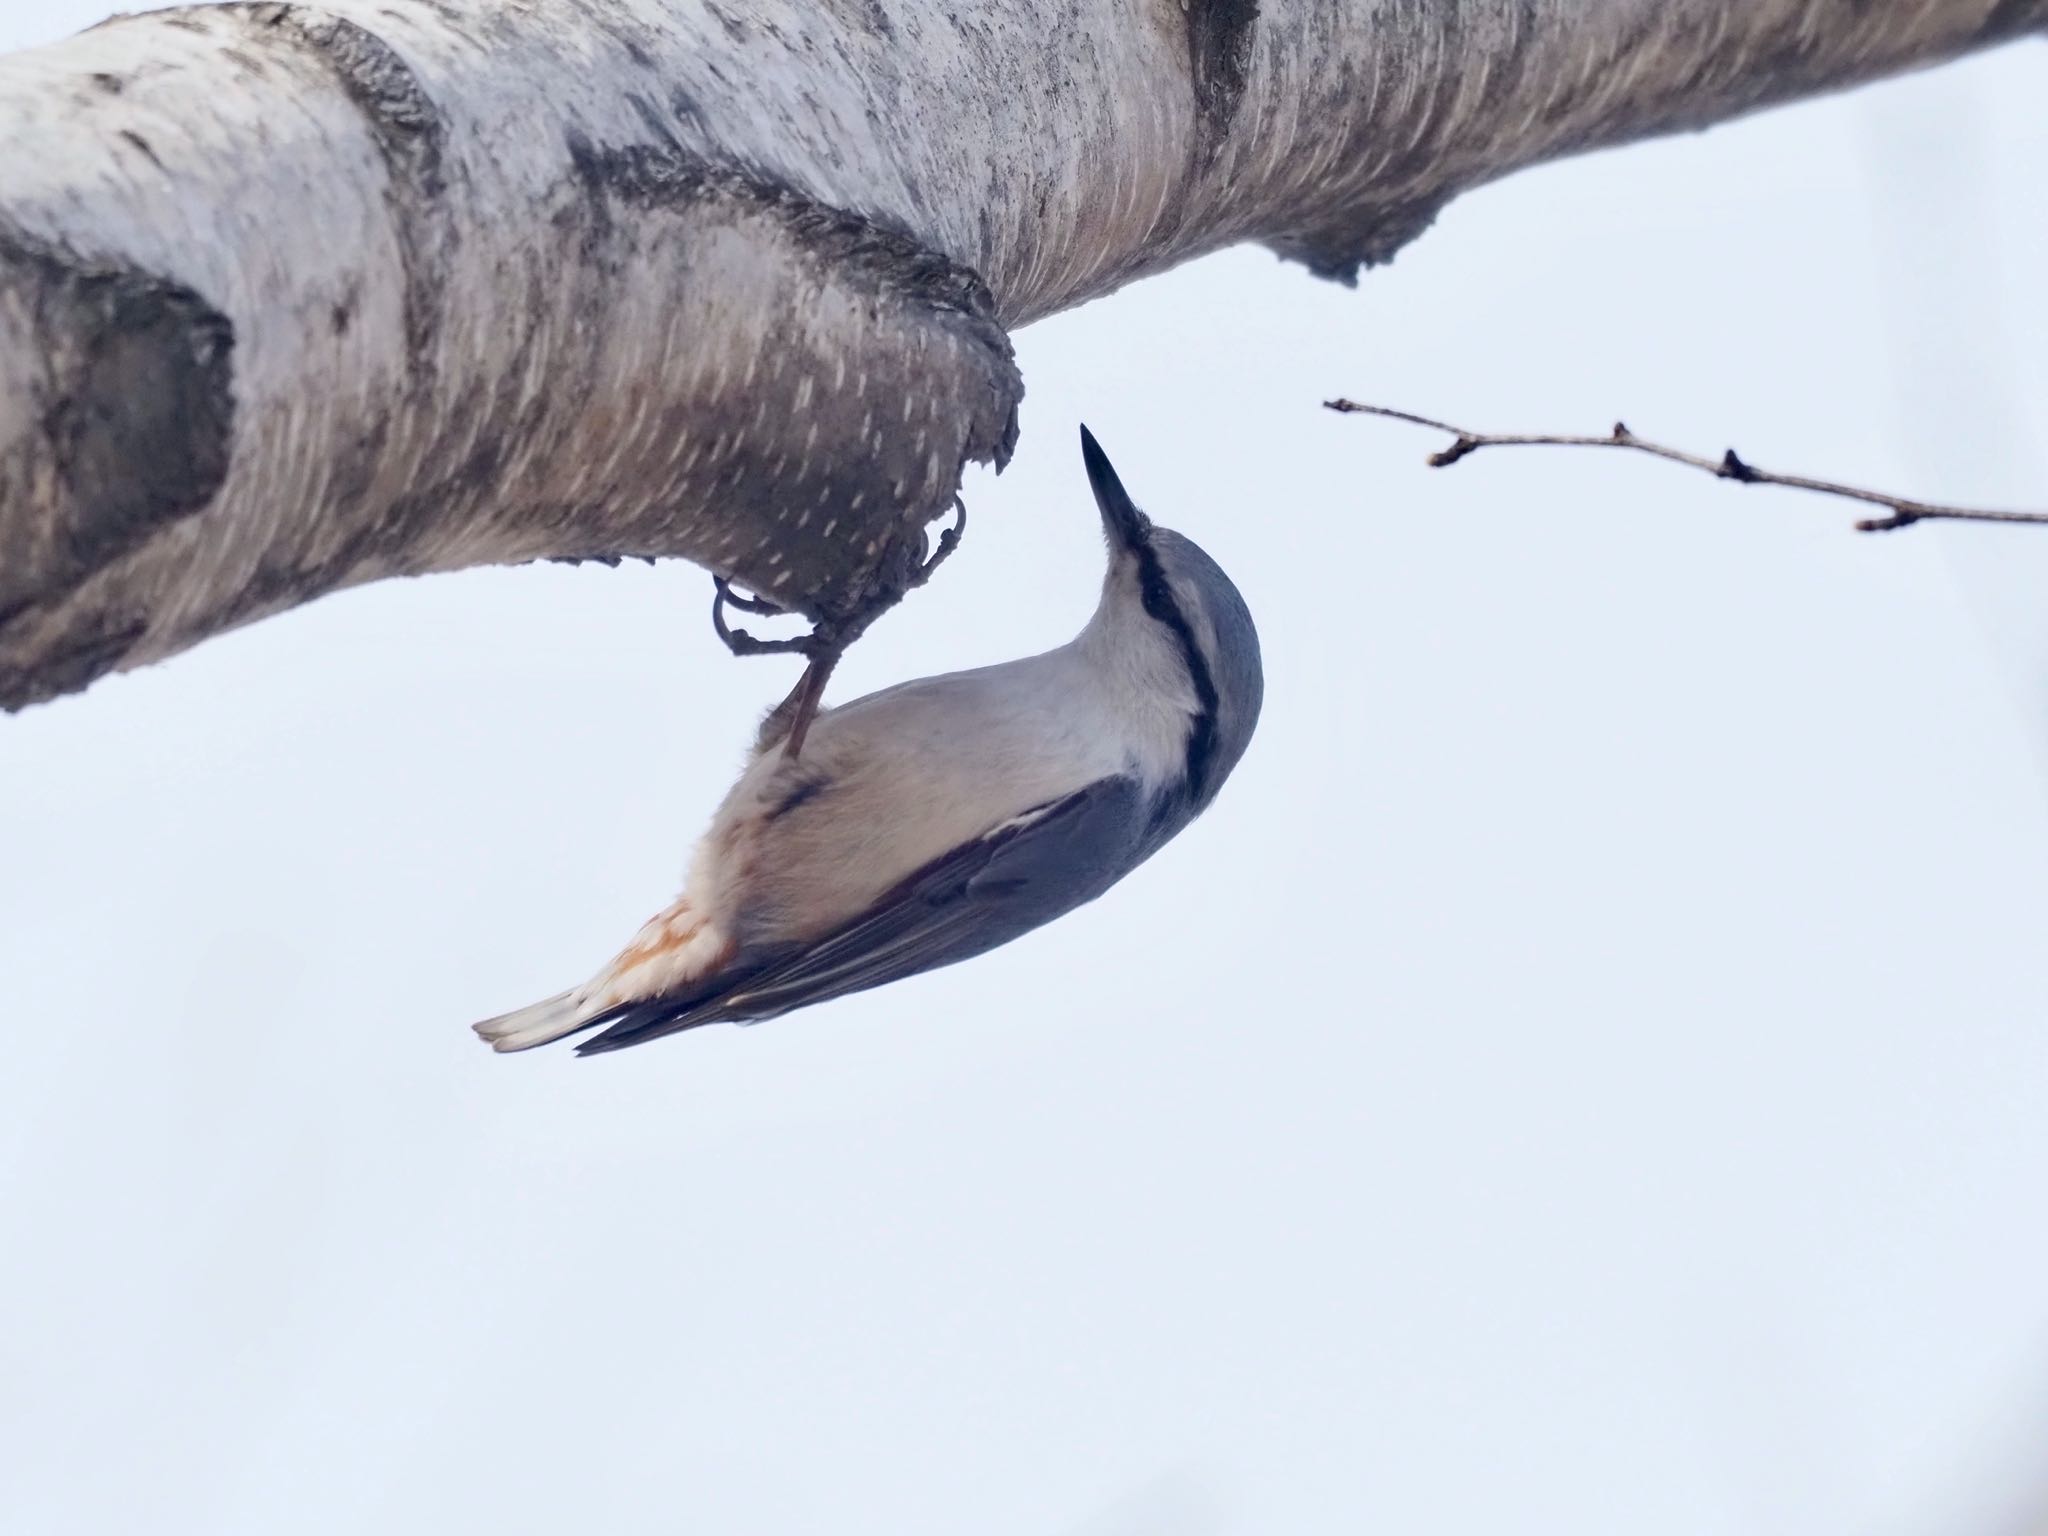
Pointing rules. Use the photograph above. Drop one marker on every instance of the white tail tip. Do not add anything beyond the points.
(524, 1028)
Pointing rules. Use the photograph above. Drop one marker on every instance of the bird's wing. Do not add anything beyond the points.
(1013, 878)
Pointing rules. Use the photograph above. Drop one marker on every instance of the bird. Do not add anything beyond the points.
(934, 820)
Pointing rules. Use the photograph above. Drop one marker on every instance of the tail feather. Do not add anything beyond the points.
(550, 1019)
(677, 955)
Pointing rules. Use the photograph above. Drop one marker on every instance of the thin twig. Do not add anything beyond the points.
(1902, 511)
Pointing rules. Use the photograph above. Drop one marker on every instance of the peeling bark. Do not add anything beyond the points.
(294, 297)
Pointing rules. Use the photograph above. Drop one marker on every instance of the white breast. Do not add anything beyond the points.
(890, 782)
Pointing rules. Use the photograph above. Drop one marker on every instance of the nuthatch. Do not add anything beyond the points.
(937, 819)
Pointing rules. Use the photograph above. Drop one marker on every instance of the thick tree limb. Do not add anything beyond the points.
(1901, 511)
(294, 297)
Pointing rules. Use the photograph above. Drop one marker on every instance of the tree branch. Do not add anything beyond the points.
(1903, 511)
(294, 296)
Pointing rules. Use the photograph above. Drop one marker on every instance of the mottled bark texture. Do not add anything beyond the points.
(294, 297)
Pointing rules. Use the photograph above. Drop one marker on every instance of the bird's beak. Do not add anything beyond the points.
(1127, 527)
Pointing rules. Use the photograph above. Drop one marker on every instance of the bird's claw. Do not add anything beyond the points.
(739, 641)
(826, 642)
(949, 540)
(754, 604)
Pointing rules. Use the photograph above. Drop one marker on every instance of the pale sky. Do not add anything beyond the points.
(1588, 1073)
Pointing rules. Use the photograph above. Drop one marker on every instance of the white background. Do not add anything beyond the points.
(1589, 1073)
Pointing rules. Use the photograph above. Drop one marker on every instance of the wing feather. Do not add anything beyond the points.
(1013, 878)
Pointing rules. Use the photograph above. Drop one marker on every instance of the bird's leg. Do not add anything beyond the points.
(804, 699)
(823, 646)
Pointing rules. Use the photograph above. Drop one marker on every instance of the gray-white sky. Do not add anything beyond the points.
(1588, 1073)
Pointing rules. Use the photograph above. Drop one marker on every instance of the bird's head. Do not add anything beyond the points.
(1188, 595)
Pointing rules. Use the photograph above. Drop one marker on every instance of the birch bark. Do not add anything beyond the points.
(294, 297)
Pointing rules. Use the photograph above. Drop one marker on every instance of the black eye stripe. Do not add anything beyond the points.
(1157, 595)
